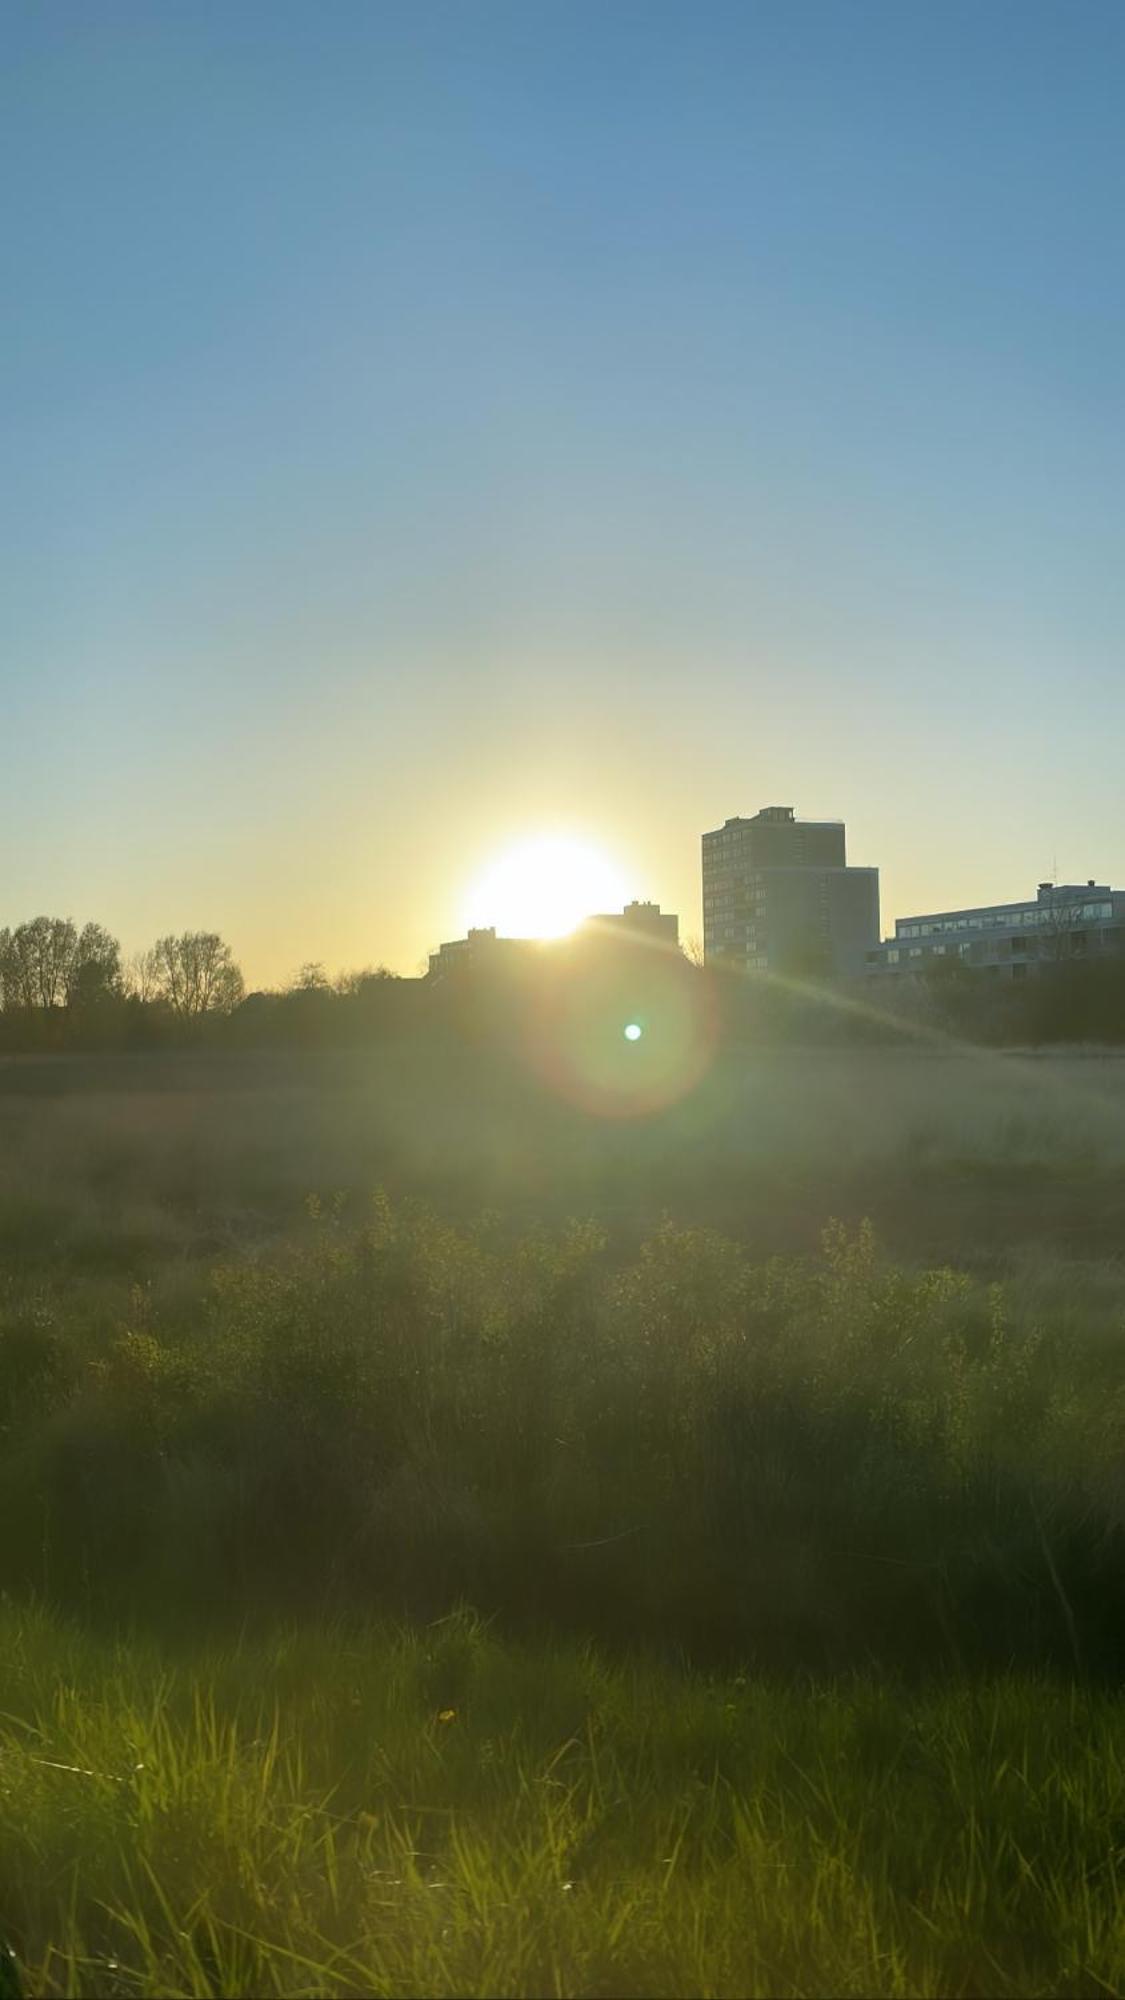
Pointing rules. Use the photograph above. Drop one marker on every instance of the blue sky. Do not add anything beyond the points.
(429, 425)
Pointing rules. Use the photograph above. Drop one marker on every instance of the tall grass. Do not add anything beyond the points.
(365, 1811)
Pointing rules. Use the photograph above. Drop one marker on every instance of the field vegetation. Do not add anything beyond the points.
(359, 1810)
(455, 1545)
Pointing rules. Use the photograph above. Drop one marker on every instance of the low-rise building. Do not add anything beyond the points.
(1065, 921)
(642, 922)
(481, 950)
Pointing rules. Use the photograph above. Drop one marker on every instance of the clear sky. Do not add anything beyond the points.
(429, 425)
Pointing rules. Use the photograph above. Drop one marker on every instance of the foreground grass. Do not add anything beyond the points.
(389, 1812)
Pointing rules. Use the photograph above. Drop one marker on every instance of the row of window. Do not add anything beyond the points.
(757, 961)
(1075, 942)
(1037, 914)
(992, 971)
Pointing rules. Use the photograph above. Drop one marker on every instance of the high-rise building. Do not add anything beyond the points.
(779, 896)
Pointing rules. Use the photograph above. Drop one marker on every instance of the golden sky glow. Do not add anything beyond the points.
(405, 473)
(544, 887)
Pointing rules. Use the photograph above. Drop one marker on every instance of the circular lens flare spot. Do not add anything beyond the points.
(633, 1032)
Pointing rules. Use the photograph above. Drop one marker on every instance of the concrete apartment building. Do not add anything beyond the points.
(779, 896)
(1066, 921)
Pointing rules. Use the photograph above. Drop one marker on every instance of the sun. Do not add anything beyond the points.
(544, 888)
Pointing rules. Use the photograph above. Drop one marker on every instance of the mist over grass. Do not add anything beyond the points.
(137, 1164)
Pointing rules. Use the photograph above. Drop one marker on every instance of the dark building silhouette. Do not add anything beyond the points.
(640, 922)
(779, 897)
(483, 951)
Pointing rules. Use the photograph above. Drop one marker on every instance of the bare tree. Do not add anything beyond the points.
(351, 983)
(1058, 921)
(37, 962)
(196, 974)
(47, 964)
(311, 978)
(11, 980)
(140, 976)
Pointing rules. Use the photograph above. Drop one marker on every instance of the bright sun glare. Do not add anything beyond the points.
(544, 888)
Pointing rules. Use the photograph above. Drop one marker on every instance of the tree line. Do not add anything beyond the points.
(49, 966)
(63, 987)
(66, 986)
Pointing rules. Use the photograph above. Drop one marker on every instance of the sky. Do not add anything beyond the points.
(432, 426)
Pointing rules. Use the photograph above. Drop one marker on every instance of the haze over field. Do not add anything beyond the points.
(793, 1534)
(432, 426)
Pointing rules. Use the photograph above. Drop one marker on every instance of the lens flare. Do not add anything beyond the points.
(622, 1031)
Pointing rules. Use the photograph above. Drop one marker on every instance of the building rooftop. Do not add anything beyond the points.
(1047, 893)
(771, 816)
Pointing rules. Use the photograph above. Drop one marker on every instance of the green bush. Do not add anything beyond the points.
(820, 1460)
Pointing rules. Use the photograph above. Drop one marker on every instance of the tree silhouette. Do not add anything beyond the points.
(196, 974)
(141, 977)
(311, 978)
(95, 974)
(37, 962)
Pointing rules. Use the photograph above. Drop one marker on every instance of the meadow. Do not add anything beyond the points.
(963, 1155)
(452, 1544)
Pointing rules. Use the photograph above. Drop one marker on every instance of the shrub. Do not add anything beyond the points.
(806, 1460)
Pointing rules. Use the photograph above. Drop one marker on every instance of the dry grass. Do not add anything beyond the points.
(129, 1164)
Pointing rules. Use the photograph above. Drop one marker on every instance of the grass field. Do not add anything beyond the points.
(135, 1164)
(796, 1540)
(357, 1811)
